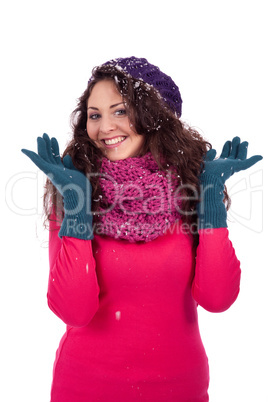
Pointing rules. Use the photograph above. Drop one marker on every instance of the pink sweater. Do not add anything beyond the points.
(131, 314)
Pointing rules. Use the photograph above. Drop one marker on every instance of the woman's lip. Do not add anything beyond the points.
(117, 144)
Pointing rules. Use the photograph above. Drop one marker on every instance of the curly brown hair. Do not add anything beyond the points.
(171, 142)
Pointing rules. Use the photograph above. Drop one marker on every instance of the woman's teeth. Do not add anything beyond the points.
(114, 140)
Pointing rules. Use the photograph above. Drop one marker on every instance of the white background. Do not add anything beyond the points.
(216, 51)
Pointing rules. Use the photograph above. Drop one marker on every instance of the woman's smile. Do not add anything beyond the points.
(113, 142)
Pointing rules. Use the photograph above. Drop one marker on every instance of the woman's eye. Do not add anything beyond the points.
(121, 112)
(94, 116)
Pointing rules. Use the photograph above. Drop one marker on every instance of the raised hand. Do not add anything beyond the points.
(63, 174)
(211, 209)
(72, 184)
(232, 159)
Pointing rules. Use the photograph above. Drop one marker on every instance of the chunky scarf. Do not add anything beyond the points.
(143, 201)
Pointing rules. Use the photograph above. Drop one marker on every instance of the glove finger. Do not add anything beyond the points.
(247, 163)
(38, 161)
(55, 150)
(68, 163)
(234, 148)
(242, 151)
(50, 157)
(46, 167)
(42, 149)
(210, 155)
(226, 150)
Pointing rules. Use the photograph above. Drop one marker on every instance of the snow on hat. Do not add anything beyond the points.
(140, 68)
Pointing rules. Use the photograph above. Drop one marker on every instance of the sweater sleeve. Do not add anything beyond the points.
(217, 272)
(73, 291)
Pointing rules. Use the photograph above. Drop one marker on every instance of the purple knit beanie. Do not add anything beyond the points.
(140, 68)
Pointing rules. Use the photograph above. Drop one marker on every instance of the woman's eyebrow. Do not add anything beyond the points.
(120, 103)
(95, 108)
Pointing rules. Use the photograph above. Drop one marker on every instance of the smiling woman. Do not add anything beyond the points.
(138, 241)
(108, 124)
(131, 108)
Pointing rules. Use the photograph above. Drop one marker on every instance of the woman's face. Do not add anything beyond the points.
(108, 123)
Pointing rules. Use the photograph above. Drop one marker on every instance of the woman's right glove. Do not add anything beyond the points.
(72, 184)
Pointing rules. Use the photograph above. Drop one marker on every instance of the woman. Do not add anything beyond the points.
(138, 238)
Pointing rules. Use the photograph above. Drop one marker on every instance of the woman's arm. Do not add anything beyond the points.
(217, 272)
(72, 287)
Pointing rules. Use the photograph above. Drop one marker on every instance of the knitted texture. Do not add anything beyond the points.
(140, 68)
(143, 201)
(211, 210)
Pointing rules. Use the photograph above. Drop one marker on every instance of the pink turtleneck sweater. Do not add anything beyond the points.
(131, 314)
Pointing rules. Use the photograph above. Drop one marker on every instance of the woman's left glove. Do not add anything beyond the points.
(211, 209)
(72, 184)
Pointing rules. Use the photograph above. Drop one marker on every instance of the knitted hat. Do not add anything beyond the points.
(140, 68)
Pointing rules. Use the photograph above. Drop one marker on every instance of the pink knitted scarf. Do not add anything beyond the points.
(143, 201)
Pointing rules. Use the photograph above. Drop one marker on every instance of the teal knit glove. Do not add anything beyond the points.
(211, 209)
(72, 185)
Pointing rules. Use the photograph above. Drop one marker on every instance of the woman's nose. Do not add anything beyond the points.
(107, 125)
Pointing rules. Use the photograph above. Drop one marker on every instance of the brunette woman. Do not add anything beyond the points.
(138, 238)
